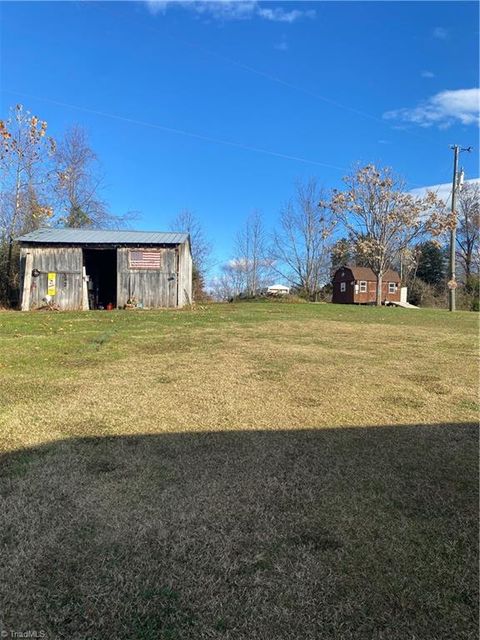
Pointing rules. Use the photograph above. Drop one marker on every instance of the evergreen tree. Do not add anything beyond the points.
(431, 263)
(77, 218)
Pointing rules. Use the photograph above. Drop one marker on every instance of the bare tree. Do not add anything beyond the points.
(230, 283)
(468, 229)
(301, 245)
(78, 185)
(383, 219)
(25, 150)
(251, 253)
(187, 222)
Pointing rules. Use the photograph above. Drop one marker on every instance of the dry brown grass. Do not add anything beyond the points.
(176, 474)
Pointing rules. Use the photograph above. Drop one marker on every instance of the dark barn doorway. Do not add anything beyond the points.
(101, 268)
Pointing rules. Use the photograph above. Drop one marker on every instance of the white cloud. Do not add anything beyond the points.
(223, 10)
(281, 46)
(238, 264)
(243, 264)
(280, 15)
(440, 33)
(156, 6)
(443, 191)
(427, 74)
(217, 9)
(443, 109)
(226, 10)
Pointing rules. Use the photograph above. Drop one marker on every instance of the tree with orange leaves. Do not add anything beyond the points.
(25, 150)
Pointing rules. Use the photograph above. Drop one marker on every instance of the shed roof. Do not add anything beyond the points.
(365, 273)
(278, 286)
(47, 235)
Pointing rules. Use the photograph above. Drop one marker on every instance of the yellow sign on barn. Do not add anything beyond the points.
(52, 284)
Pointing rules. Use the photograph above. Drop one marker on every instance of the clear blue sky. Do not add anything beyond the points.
(307, 80)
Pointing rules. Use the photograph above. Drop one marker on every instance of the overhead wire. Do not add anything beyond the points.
(274, 78)
(161, 127)
(206, 137)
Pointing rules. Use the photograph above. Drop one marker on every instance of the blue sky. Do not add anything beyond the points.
(322, 84)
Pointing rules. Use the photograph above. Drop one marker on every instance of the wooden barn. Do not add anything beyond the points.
(76, 269)
(358, 285)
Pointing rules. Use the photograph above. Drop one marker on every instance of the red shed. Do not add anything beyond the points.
(358, 285)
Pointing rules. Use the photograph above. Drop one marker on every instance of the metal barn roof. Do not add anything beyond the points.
(100, 236)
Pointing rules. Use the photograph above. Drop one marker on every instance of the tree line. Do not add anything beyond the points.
(372, 221)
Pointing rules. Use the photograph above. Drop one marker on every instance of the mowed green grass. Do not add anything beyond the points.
(252, 471)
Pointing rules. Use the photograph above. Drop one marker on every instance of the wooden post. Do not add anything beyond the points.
(85, 305)
(27, 282)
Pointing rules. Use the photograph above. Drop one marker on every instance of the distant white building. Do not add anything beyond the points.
(278, 290)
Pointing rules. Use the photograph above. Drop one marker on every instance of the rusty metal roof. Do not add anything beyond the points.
(100, 236)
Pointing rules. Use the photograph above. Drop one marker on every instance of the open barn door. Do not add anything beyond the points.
(101, 270)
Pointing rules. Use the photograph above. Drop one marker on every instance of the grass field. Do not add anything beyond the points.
(250, 471)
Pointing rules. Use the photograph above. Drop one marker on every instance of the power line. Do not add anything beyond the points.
(190, 134)
(276, 79)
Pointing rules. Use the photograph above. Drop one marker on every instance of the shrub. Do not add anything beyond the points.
(468, 295)
(422, 294)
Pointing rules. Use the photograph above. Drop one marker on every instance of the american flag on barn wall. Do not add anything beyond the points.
(144, 259)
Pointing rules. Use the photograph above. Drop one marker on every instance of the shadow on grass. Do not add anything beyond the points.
(335, 533)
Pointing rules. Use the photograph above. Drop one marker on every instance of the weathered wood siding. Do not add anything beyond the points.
(151, 287)
(66, 263)
(168, 286)
(184, 274)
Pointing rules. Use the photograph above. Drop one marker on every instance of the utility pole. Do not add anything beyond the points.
(452, 284)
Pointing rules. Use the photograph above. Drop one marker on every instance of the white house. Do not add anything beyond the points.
(278, 290)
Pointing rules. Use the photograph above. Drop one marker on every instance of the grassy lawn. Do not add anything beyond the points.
(253, 471)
